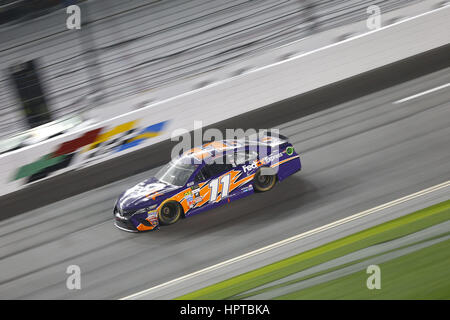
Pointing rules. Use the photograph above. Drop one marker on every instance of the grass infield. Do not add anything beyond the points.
(423, 274)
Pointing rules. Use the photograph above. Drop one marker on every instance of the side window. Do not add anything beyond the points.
(218, 168)
(199, 178)
(202, 175)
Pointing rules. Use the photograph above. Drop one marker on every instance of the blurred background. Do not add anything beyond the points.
(49, 74)
(87, 113)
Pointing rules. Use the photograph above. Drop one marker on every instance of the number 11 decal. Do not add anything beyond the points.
(214, 185)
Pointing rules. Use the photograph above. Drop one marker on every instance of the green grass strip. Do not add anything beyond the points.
(384, 232)
(424, 274)
(313, 275)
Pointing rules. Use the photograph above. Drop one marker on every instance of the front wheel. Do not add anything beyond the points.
(263, 183)
(169, 213)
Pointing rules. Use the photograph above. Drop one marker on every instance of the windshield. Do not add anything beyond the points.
(176, 174)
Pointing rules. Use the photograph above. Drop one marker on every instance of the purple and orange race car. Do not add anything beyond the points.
(204, 178)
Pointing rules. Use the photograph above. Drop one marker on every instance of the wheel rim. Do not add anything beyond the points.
(169, 212)
(265, 181)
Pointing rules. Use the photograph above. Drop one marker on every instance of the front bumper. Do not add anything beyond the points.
(136, 223)
(125, 226)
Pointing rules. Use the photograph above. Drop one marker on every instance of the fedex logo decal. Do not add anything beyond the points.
(258, 163)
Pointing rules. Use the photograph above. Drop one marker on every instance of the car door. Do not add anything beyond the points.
(211, 185)
(220, 180)
(229, 177)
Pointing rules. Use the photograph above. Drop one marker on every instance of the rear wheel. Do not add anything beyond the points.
(263, 183)
(169, 213)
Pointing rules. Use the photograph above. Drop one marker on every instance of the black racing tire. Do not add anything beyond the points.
(263, 183)
(169, 213)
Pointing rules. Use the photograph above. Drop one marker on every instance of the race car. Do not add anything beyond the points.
(204, 178)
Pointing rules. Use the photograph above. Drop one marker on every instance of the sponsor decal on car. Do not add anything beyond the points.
(198, 199)
(247, 188)
(153, 218)
(258, 163)
(196, 192)
(189, 197)
(188, 193)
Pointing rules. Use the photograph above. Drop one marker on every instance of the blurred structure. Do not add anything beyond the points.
(128, 47)
(13, 11)
(29, 91)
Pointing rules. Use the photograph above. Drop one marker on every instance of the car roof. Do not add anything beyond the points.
(215, 149)
(209, 151)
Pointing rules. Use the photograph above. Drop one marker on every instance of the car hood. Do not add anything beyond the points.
(145, 193)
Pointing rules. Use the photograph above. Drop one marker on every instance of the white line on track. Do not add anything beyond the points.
(290, 240)
(422, 93)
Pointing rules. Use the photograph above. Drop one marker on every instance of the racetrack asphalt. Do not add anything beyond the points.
(355, 156)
